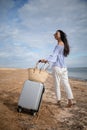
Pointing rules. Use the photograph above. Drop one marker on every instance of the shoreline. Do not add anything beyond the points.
(74, 78)
(78, 79)
(70, 77)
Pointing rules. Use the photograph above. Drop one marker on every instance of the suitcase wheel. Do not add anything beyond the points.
(19, 109)
(32, 113)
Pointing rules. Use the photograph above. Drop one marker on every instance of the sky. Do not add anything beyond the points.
(27, 28)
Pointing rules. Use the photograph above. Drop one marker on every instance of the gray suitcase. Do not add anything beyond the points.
(31, 96)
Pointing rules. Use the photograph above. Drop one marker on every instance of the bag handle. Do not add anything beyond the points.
(42, 65)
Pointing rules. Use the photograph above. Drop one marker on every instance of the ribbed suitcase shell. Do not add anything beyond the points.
(31, 95)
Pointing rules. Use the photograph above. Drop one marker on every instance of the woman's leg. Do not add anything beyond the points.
(65, 82)
(57, 84)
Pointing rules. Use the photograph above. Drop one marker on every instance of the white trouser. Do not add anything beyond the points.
(61, 75)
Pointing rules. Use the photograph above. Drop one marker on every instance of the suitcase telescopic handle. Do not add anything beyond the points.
(42, 65)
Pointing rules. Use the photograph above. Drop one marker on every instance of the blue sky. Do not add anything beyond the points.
(27, 28)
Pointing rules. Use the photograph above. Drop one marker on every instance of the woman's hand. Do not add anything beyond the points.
(43, 61)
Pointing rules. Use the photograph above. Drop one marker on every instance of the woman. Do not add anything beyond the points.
(59, 68)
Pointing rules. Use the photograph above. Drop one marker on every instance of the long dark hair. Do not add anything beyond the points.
(66, 44)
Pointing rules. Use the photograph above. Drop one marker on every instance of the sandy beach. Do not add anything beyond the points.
(50, 116)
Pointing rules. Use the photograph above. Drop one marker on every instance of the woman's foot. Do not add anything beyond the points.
(70, 103)
(59, 103)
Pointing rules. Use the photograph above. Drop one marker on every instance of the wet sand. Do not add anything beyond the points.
(50, 116)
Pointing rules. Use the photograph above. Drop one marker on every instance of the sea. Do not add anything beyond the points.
(79, 73)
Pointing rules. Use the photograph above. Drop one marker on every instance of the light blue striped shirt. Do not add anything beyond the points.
(57, 57)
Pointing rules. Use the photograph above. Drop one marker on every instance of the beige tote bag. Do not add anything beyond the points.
(38, 75)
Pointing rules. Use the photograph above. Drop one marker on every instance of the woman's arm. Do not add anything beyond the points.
(51, 58)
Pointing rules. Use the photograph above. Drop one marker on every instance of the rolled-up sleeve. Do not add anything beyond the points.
(53, 56)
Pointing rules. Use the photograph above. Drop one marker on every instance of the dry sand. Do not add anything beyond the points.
(50, 117)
